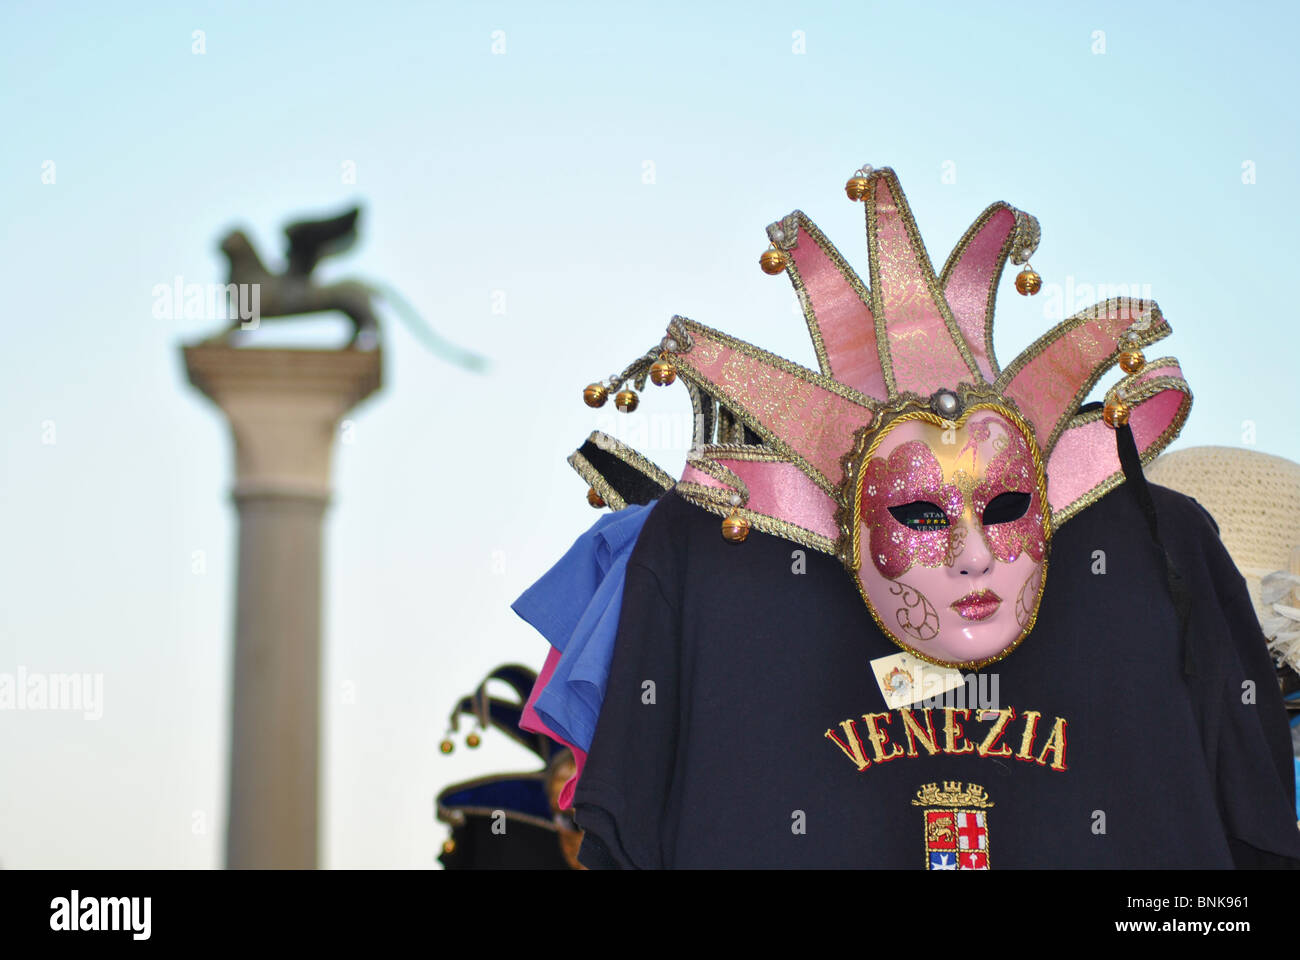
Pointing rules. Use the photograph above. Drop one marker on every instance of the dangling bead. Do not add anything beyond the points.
(772, 261)
(735, 528)
(448, 847)
(626, 400)
(1132, 361)
(595, 395)
(662, 373)
(594, 498)
(857, 188)
(446, 746)
(473, 740)
(1028, 282)
(1115, 413)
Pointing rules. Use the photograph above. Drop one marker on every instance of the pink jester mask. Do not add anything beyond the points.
(910, 453)
(951, 533)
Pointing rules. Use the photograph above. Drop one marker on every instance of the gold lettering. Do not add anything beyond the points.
(853, 748)
(880, 738)
(915, 732)
(1055, 745)
(952, 731)
(919, 727)
(1027, 740)
(987, 747)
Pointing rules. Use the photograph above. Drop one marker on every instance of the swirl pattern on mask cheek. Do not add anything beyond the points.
(1027, 598)
(1012, 470)
(910, 472)
(916, 617)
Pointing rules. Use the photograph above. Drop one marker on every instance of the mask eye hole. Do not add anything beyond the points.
(1006, 507)
(920, 515)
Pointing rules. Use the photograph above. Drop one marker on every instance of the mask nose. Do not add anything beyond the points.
(975, 558)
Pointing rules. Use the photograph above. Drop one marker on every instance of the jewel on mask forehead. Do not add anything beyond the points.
(945, 404)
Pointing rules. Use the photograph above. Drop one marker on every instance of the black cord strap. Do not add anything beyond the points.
(1131, 463)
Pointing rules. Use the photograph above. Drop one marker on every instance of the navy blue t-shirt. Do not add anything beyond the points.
(741, 705)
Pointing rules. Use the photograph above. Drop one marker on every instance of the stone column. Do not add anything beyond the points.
(284, 407)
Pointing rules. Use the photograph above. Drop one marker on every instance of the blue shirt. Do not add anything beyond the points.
(576, 606)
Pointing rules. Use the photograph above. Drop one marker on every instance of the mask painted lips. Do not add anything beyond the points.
(979, 605)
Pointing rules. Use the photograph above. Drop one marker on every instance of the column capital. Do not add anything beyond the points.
(283, 406)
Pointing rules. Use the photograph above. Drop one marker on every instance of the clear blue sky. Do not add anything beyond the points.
(521, 174)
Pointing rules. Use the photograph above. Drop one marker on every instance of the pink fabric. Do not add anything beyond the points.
(1045, 387)
(531, 722)
(1153, 416)
(843, 320)
(779, 490)
(922, 351)
(811, 420)
(1085, 456)
(972, 277)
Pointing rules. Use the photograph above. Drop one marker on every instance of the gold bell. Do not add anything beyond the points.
(594, 498)
(595, 395)
(1132, 361)
(773, 261)
(446, 746)
(735, 528)
(473, 740)
(626, 400)
(662, 373)
(1028, 282)
(1115, 413)
(857, 188)
(448, 847)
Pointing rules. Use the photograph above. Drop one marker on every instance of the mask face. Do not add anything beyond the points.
(952, 534)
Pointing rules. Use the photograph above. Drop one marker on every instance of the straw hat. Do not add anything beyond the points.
(1255, 498)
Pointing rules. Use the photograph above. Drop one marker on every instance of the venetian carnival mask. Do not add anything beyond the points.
(936, 476)
(950, 533)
